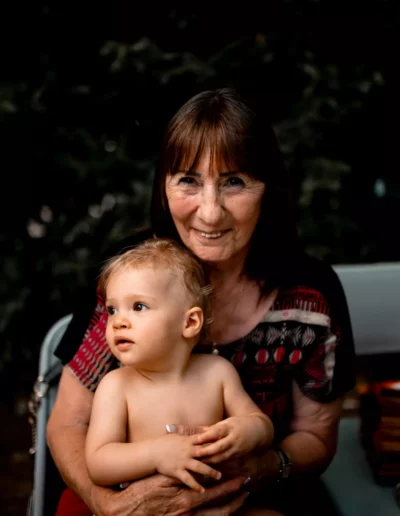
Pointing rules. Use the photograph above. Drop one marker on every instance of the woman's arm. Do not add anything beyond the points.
(311, 445)
(66, 435)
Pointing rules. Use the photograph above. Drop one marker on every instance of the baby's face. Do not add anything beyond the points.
(146, 315)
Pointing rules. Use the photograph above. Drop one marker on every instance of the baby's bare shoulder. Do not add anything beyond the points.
(212, 364)
(117, 378)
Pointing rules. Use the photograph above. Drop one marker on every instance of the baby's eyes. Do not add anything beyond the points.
(139, 307)
(111, 310)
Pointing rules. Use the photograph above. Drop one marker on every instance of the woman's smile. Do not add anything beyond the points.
(210, 236)
(216, 212)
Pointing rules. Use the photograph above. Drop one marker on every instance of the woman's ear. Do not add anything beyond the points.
(193, 322)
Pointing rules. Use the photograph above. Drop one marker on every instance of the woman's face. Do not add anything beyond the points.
(214, 211)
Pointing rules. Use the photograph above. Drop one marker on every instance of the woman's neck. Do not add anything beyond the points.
(225, 276)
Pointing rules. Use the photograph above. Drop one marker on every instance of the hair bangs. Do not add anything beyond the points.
(191, 141)
(237, 136)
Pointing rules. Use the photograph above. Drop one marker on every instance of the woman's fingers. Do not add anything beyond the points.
(214, 495)
(219, 446)
(223, 510)
(202, 469)
(213, 433)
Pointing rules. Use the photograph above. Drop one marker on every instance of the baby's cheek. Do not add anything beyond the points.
(109, 334)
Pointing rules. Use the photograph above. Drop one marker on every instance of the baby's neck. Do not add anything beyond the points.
(167, 372)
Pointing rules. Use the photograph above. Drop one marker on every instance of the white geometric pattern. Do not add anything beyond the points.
(308, 336)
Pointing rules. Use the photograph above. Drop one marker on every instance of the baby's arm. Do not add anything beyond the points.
(111, 460)
(246, 428)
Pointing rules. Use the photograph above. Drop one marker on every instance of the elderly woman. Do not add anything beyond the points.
(279, 316)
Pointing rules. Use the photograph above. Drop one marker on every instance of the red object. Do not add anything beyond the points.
(70, 504)
(262, 356)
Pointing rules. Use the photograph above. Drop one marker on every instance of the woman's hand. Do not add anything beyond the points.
(165, 496)
(246, 466)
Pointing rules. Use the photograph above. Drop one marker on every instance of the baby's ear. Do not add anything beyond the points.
(193, 322)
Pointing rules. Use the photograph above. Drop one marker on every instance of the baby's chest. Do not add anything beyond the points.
(150, 412)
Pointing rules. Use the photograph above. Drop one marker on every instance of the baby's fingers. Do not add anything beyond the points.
(220, 457)
(213, 433)
(186, 478)
(202, 469)
(214, 448)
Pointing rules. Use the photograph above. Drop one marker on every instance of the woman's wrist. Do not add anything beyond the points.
(267, 468)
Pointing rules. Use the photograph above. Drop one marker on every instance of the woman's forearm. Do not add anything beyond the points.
(308, 453)
(66, 435)
(67, 446)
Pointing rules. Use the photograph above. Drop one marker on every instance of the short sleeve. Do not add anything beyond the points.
(328, 371)
(93, 358)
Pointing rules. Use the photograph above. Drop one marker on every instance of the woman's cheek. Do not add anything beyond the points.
(181, 204)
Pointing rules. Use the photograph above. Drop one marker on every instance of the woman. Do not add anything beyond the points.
(278, 315)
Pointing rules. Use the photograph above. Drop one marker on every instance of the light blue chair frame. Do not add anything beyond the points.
(47, 360)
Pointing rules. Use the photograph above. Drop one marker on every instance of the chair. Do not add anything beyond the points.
(349, 479)
(42, 502)
(372, 295)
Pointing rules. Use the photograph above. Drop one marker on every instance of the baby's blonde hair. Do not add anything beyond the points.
(166, 253)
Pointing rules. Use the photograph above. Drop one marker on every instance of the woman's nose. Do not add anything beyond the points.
(210, 208)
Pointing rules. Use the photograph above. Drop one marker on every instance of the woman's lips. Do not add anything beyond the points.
(211, 235)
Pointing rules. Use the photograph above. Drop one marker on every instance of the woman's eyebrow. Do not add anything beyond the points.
(229, 173)
(189, 173)
(194, 173)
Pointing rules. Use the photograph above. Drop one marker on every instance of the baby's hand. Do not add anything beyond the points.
(233, 437)
(175, 457)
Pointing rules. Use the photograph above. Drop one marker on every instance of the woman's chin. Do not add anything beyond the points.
(211, 254)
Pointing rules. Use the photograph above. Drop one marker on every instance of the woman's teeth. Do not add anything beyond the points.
(211, 235)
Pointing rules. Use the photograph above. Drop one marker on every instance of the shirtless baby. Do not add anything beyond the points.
(157, 300)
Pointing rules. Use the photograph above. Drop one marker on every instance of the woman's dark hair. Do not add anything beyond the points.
(239, 137)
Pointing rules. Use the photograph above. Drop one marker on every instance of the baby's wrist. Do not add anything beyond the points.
(266, 432)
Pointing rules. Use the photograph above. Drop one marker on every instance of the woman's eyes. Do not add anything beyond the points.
(230, 182)
(187, 181)
(139, 307)
(235, 181)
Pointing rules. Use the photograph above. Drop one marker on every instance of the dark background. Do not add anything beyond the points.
(86, 92)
